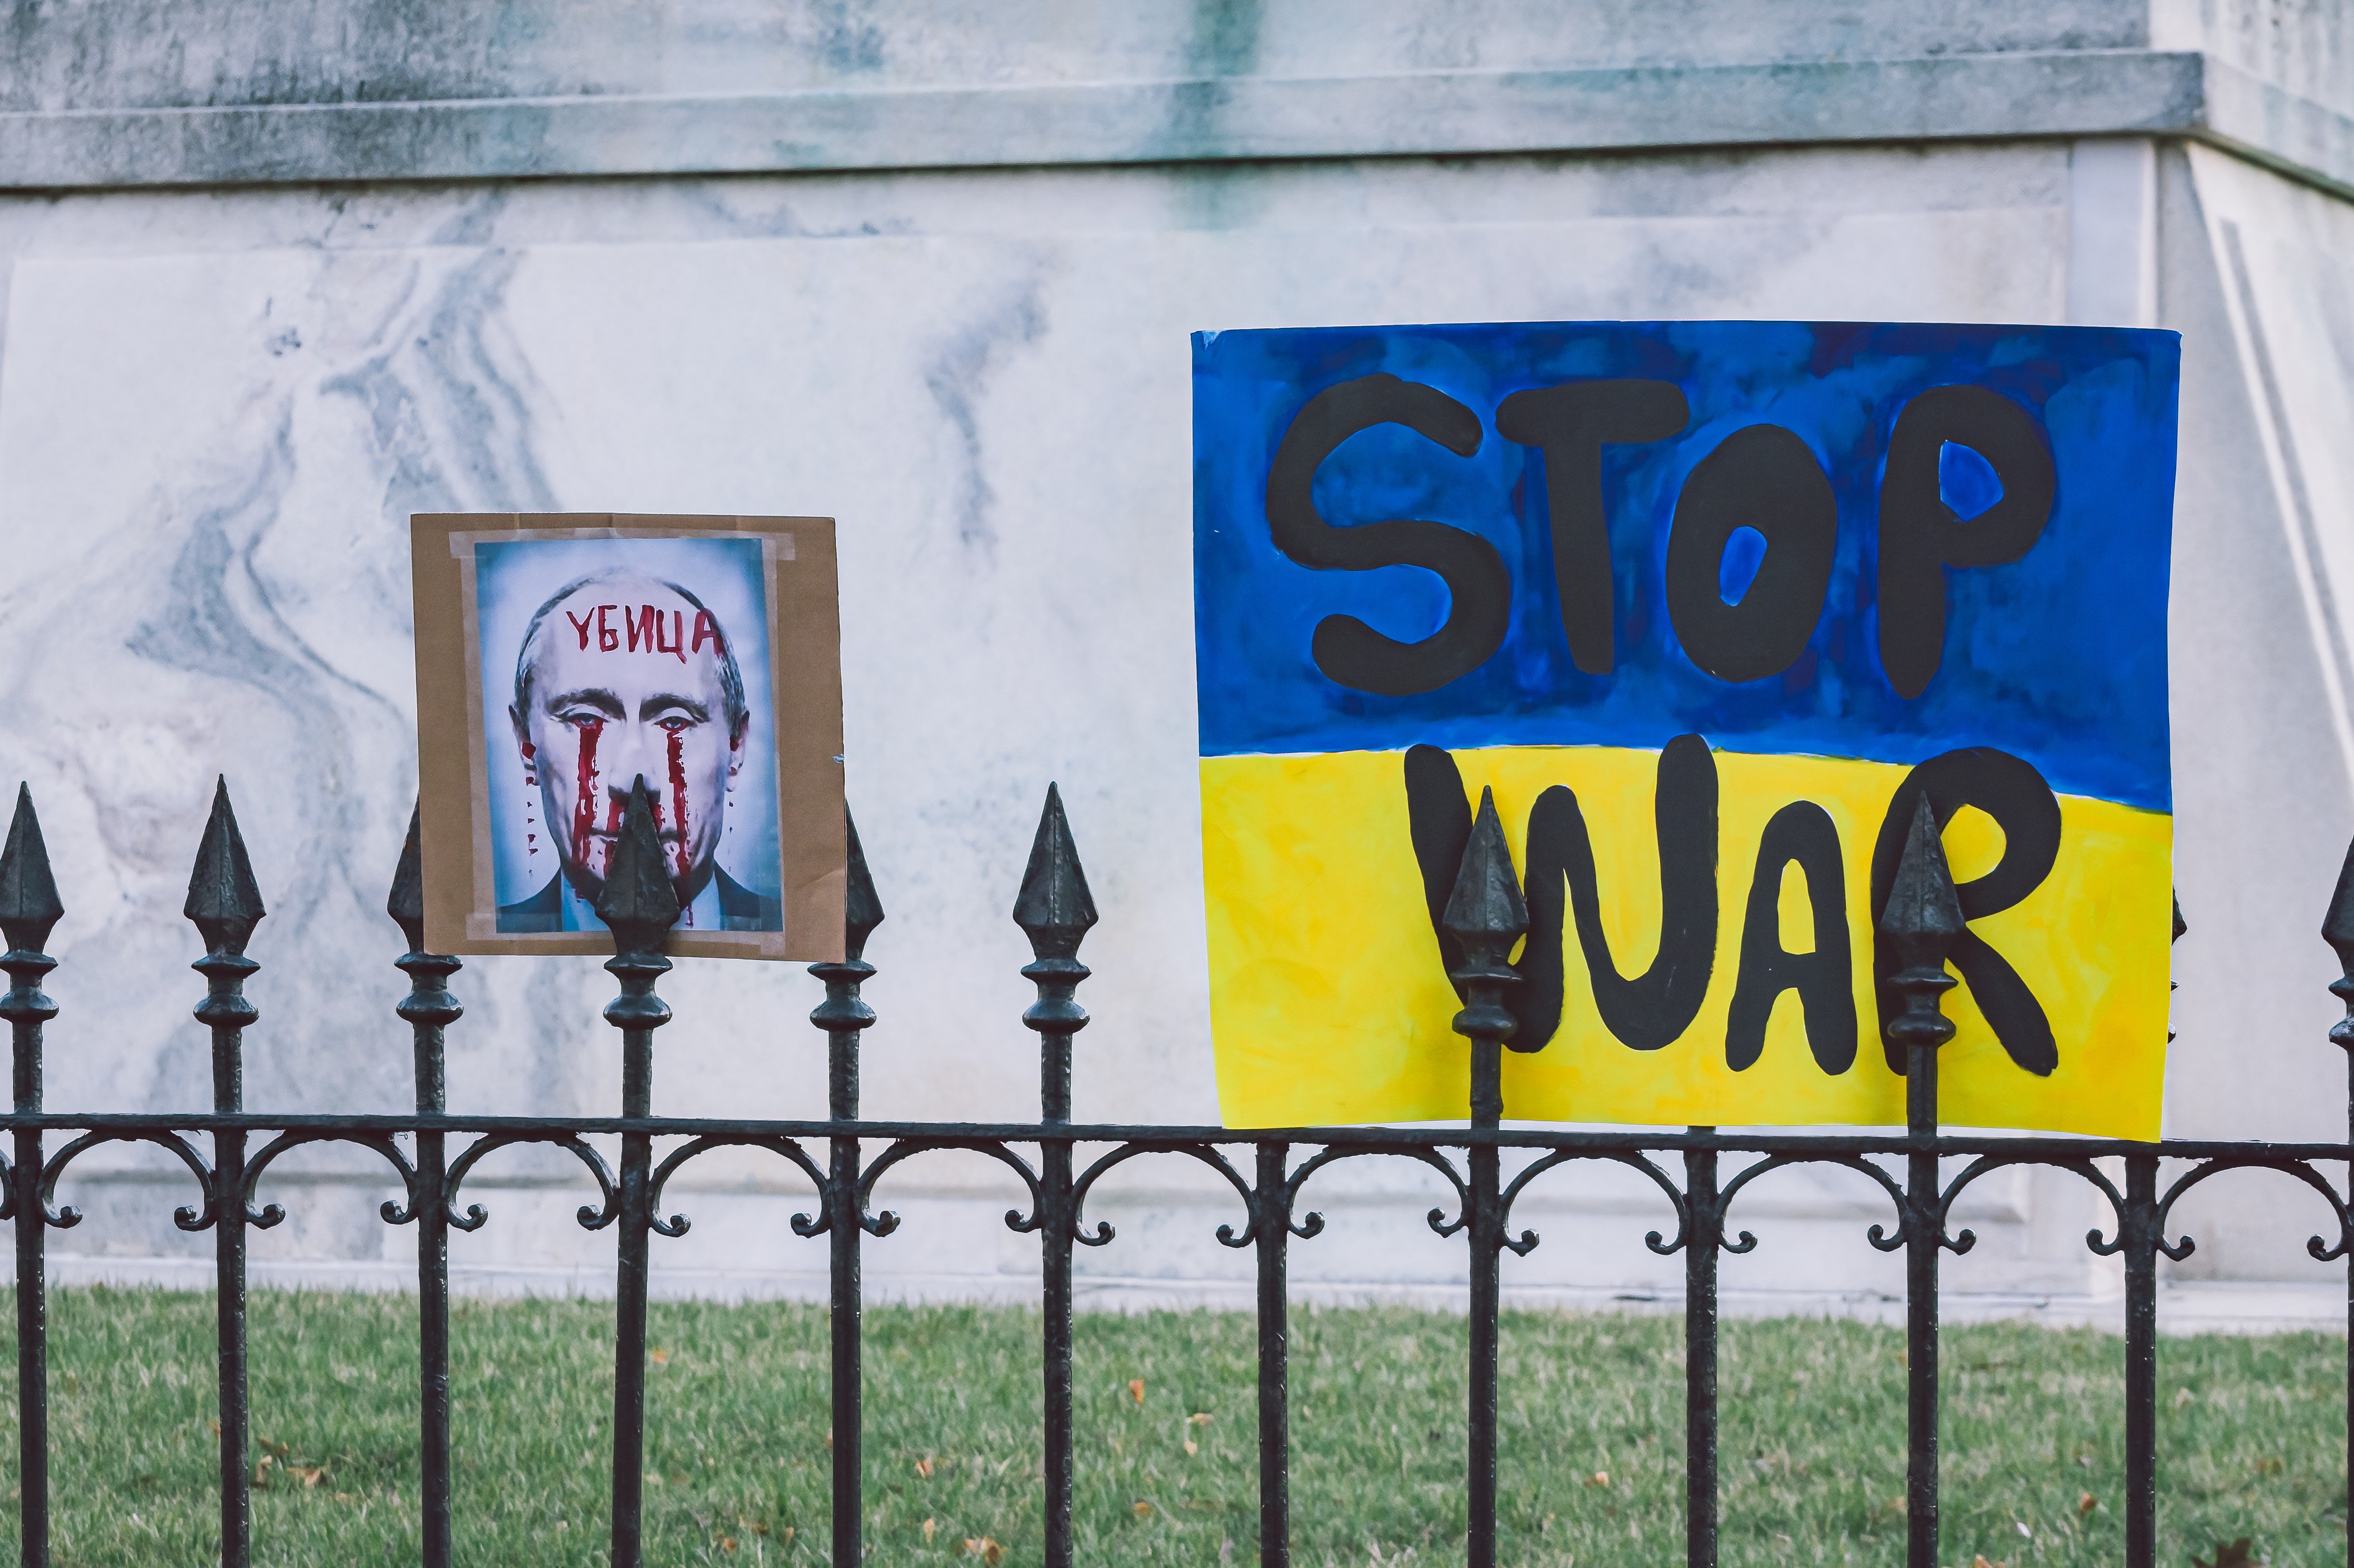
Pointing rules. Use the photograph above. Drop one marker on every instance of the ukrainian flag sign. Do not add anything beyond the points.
(1709, 605)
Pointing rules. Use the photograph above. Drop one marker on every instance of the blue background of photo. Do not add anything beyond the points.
(514, 579)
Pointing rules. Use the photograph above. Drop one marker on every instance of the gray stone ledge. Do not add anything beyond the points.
(1434, 113)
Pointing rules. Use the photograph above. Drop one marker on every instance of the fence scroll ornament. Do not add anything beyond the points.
(1484, 913)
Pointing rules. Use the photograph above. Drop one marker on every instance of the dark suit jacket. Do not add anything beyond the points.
(740, 908)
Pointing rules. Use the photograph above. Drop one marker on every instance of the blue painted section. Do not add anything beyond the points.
(2059, 657)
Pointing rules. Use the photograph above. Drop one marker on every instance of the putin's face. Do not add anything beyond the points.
(626, 684)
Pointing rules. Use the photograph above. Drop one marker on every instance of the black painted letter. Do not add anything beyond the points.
(1480, 586)
(1762, 477)
(1571, 423)
(1824, 979)
(1646, 1012)
(2014, 794)
(1919, 536)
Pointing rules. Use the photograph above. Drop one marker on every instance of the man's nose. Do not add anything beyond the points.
(631, 761)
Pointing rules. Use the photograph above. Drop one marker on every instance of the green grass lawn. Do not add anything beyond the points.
(2252, 1438)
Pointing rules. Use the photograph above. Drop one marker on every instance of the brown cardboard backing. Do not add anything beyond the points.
(805, 679)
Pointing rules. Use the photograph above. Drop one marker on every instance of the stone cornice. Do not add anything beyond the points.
(1434, 113)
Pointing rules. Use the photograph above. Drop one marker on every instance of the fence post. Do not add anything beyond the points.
(1920, 923)
(28, 910)
(225, 905)
(845, 1016)
(2138, 1237)
(428, 1007)
(1703, 1229)
(1055, 910)
(2337, 930)
(1271, 1198)
(2137, 1233)
(638, 905)
(1485, 914)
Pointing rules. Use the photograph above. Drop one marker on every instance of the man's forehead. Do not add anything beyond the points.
(629, 593)
(572, 651)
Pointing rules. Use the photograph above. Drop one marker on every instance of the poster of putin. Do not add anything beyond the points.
(580, 655)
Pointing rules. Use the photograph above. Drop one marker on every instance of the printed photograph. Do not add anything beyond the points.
(614, 661)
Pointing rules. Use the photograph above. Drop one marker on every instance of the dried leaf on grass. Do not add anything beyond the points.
(309, 1475)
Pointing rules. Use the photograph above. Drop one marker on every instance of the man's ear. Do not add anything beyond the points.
(736, 746)
(522, 735)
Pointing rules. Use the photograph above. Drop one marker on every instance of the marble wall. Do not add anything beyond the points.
(219, 407)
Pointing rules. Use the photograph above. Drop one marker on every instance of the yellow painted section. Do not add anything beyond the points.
(1329, 1002)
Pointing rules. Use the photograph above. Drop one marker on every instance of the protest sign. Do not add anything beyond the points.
(563, 658)
(1709, 606)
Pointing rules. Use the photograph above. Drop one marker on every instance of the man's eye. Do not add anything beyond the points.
(677, 724)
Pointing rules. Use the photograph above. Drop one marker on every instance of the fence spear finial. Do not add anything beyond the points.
(405, 903)
(861, 911)
(224, 901)
(1923, 914)
(843, 1014)
(28, 892)
(1055, 908)
(1485, 914)
(1921, 920)
(2337, 930)
(639, 902)
(1486, 908)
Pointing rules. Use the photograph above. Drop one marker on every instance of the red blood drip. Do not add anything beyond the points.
(678, 809)
(584, 807)
(612, 834)
(678, 797)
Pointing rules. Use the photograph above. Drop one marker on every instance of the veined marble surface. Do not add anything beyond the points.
(217, 409)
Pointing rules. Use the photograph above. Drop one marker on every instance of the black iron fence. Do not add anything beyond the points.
(1486, 915)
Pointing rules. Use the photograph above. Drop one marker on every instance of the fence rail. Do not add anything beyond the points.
(1268, 1170)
